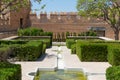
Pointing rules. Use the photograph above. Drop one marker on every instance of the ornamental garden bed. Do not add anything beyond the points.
(99, 51)
(21, 50)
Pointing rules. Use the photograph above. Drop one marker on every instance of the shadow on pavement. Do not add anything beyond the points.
(45, 56)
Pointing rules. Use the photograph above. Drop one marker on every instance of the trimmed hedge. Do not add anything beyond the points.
(91, 51)
(28, 52)
(4, 53)
(78, 48)
(30, 32)
(114, 55)
(48, 42)
(10, 71)
(69, 43)
(21, 50)
(44, 48)
(35, 32)
(88, 33)
(10, 42)
(73, 49)
(112, 50)
(94, 52)
(113, 73)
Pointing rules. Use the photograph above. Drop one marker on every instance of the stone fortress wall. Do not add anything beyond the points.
(61, 22)
(55, 22)
(69, 22)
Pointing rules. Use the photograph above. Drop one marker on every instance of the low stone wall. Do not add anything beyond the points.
(7, 34)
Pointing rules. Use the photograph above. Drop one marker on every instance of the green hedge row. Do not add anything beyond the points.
(113, 51)
(48, 42)
(73, 49)
(94, 52)
(4, 53)
(30, 32)
(10, 71)
(100, 51)
(91, 51)
(113, 73)
(21, 50)
(10, 42)
(105, 50)
(35, 32)
(114, 54)
(28, 52)
(88, 33)
(69, 43)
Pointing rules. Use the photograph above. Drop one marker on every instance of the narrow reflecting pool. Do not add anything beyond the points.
(60, 75)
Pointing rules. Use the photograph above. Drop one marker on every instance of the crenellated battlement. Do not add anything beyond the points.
(54, 14)
(55, 17)
(60, 17)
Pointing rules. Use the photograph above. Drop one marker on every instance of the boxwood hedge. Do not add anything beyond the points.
(69, 43)
(35, 32)
(91, 51)
(73, 49)
(4, 53)
(113, 73)
(21, 50)
(114, 55)
(28, 52)
(10, 71)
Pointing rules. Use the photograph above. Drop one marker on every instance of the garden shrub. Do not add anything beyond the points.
(21, 50)
(10, 42)
(10, 71)
(73, 49)
(28, 52)
(44, 48)
(88, 33)
(112, 49)
(94, 52)
(113, 73)
(70, 42)
(67, 34)
(78, 47)
(4, 53)
(47, 42)
(91, 52)
(114, 55)
(29, 32)
(35, 32)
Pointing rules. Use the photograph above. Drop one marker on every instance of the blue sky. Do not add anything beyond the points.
(56, 6)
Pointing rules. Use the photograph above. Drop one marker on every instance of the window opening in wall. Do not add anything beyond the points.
(99, 30)
(21, 23)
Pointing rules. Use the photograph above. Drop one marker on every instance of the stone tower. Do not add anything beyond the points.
(16, 19)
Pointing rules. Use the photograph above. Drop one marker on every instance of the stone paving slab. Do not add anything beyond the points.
(97, 77)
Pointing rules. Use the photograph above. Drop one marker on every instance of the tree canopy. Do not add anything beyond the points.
(108, 9)
(7, 6)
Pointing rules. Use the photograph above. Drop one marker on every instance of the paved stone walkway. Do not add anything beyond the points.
(47, 62)
(94, 70)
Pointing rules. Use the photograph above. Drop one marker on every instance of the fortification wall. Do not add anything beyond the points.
(71, 22)
(14, 20)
